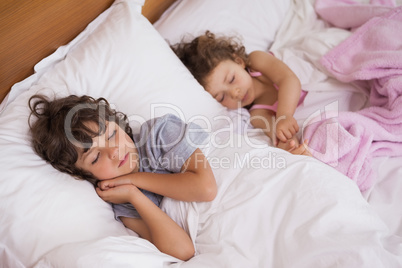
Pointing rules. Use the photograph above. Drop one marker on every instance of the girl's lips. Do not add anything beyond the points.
(122, 162)
(245, 97)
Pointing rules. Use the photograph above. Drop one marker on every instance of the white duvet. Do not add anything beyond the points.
(273, 209)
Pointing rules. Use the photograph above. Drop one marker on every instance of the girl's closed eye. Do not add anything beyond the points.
(232, 80)
(220, 99)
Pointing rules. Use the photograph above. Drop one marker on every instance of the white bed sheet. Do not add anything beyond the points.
(276, 210)
(310, 218)
(386, 195)
(309, 214)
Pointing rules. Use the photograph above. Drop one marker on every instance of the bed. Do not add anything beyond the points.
(340, 208)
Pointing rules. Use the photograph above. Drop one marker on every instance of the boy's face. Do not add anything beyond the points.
(112, 154)
(230, 84)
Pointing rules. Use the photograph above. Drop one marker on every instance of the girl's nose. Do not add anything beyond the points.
(234, 92)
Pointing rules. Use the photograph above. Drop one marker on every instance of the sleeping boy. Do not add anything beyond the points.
(85, 138)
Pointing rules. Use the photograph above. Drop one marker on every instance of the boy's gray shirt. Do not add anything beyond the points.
(164, 144)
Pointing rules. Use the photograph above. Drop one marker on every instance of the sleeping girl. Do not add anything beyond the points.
(257, 81)
(85, 138)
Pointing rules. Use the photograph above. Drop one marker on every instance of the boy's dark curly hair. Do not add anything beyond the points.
(61, 129)
(205, 52)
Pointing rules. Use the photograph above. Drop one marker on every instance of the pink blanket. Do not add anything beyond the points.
(349, 140)
(349, 13)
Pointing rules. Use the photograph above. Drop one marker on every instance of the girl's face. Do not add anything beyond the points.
(230, 84)
(112, 154)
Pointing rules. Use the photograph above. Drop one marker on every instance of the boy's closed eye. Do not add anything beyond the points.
(113, 134)
(96, 159)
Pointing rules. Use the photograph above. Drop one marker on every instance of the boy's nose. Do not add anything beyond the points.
(113, 152)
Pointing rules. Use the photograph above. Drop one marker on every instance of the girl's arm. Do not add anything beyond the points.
(289, 91)
(154, 225)
(265, 120)
(196, 182)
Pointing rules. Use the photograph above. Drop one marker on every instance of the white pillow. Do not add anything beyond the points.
(129, 63)
(256, 22)
(125, 60)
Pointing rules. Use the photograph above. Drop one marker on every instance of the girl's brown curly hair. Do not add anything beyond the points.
(61, 129)
(205, 52)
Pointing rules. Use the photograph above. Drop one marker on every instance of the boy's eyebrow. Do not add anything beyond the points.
(86, 152)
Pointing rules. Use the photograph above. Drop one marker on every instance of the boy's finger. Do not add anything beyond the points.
(99, 191)
(103, 185)
(292, 149)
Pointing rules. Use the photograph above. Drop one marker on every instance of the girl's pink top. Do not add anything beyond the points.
(273, 107)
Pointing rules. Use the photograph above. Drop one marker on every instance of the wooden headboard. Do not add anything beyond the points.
(32, 30)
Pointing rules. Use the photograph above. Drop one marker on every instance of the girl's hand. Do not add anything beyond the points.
(286, 128)
(119, 194)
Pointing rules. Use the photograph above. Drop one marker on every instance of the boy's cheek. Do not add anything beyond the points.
(134, 162)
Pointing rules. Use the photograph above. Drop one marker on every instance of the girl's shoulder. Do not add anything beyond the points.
(258, 59)
(259, 53)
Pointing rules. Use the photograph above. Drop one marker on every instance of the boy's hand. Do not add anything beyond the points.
(108, 184)
(302, 149)
(290, 144)
(119, 194)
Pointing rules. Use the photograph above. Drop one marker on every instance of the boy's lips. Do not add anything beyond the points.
(122, 162)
